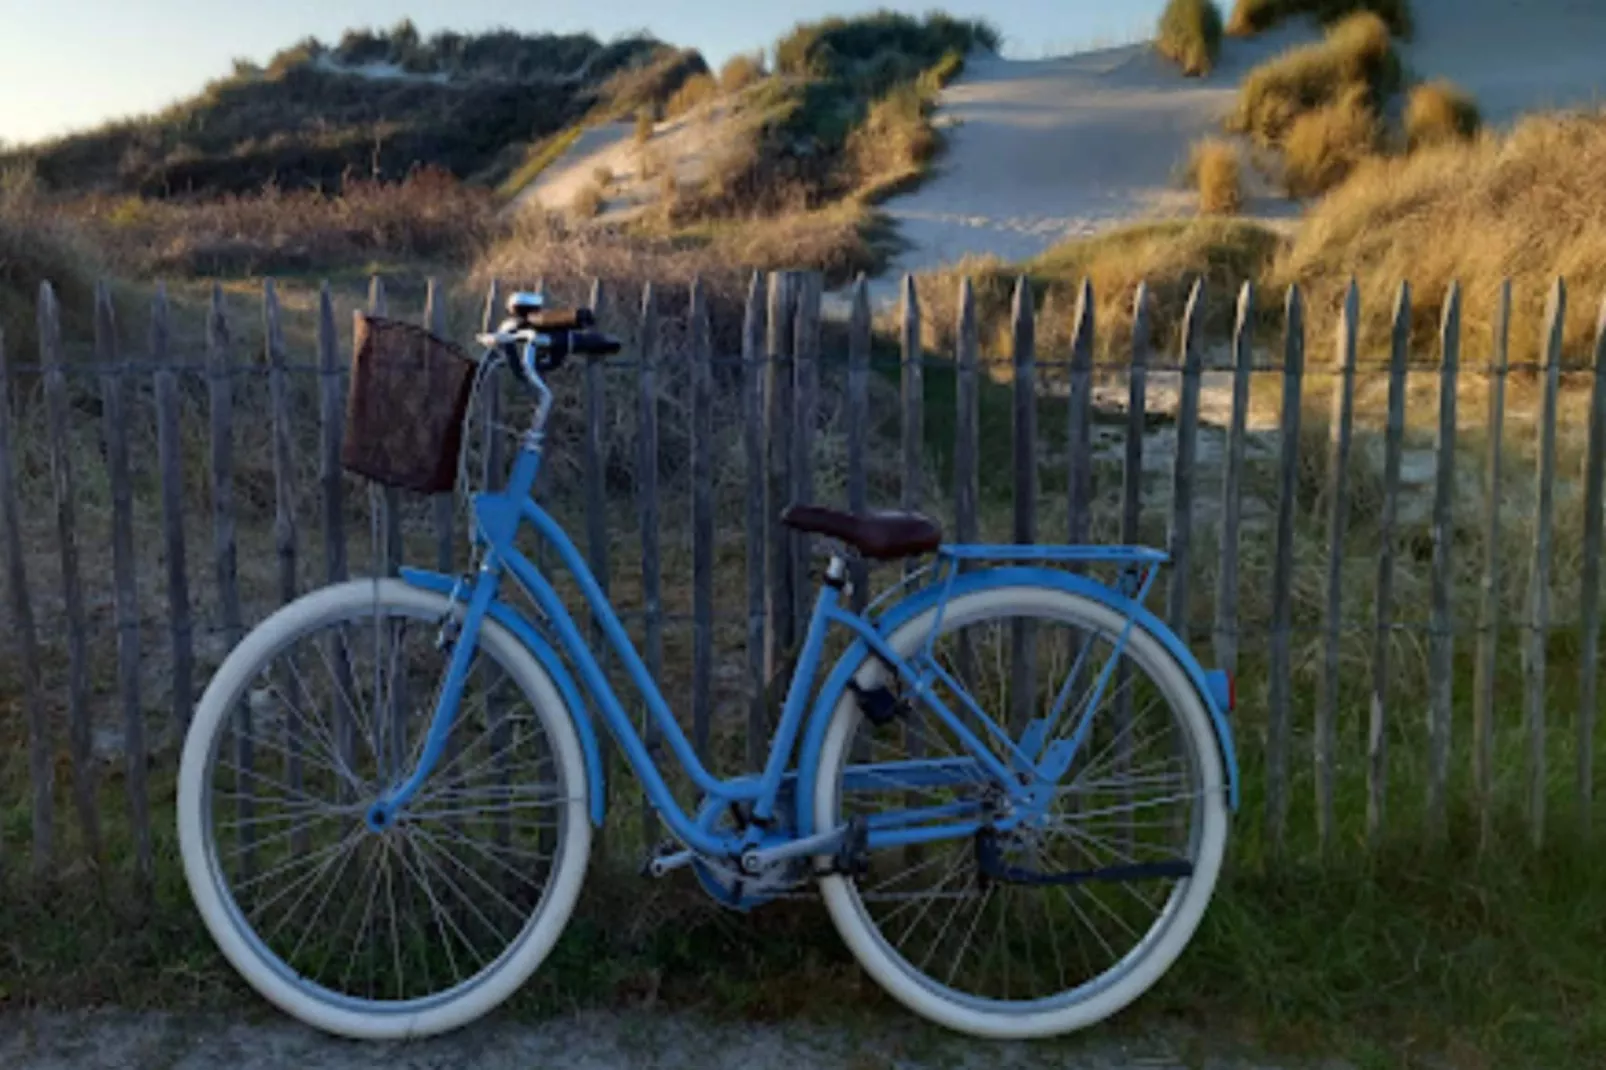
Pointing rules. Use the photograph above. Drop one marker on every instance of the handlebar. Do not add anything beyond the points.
(538, 342)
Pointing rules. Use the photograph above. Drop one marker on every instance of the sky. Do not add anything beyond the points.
(70, 64)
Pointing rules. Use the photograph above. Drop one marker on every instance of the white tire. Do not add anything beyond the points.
(1095, 1001)
(324, 1008)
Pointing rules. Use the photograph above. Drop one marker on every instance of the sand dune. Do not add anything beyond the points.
(1057, 148)
(1040, 151)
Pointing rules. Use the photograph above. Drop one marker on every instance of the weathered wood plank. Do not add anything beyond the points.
(967, 436)
(647, 511)
(220, 396)
(1079, 421)
(1441, 654)
(911, 403)
(220, 403)
(284, 513)
(594, 471)
(291, 684)
(41, 746)
(1184, 465)
(702, 517)
(780, 634)
(1280, 685)
(967, 448)
(1589, 603)
(331, 481)
(443, 506)
(1132, 502)
(858, 423)
(1534, 699)
(753, 376)
(119, 477)
(1337, 499)
(391, 549)
(1489, 601)
(1023, 334)
(1225, 631)
(593, 459)
(72, 588)
(1383, 611)
(1137, 403)
(170, 459)
(805, 427)
(491, 400)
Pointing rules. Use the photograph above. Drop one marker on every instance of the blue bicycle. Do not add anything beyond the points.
(1010, 789)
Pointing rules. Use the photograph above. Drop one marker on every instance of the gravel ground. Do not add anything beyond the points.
(112, 1040)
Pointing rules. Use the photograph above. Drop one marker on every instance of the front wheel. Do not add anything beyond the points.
(430, 921)
(1025, 956)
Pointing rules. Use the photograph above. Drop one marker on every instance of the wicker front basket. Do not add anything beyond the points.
(404, 409)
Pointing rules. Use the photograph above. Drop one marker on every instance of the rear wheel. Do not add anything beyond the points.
(431, 921)
(1144, 798)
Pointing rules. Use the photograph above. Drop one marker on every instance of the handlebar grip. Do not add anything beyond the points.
(593, 344)
(562, 319)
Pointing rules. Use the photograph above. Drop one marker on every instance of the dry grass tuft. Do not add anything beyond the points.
(644, 125)
(1213, 167)
(1167, 256)
(741, 71)
(588, 202)
(694, 92)
(1440, 111)
(1324, 146)
(1356, 55)
(1250, 17)
(428, 216)
(1528, 205)
(1190, 34)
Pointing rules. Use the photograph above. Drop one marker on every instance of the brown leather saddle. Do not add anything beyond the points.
(880, 533)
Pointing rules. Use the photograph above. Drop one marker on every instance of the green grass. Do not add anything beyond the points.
(540, 158)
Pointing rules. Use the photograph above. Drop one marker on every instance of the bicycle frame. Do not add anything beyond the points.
(499, 516)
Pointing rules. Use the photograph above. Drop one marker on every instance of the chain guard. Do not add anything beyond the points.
(723, 878)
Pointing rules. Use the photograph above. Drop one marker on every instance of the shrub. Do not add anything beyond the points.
(1356, 53)
(1190, 34)
(429, 215)
(895, 139)
(1253, 16)
(37, 245)
(1440, 111)
(741, 71)
(1325, 145)
(588, 203)
(1213, 168)
(694, 91)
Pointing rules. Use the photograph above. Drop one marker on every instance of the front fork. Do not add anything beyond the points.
(461, 640)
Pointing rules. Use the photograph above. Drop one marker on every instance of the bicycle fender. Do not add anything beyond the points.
(552, 664)
(1211, 685)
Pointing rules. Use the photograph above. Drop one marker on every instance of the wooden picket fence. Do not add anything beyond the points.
(783, 371)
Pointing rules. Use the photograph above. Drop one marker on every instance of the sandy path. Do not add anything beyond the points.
(591, 1041)
(1040, 151)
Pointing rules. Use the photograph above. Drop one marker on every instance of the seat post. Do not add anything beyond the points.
(836, 572)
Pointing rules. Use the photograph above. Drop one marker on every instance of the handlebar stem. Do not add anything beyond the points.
(536, 434)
